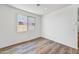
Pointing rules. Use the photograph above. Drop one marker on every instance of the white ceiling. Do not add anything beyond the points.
(40, 10)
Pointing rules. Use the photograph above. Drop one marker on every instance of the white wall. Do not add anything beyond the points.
(8, 34)
(60, 26)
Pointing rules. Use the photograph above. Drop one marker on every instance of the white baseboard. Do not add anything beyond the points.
(50, 38)
(19, 41)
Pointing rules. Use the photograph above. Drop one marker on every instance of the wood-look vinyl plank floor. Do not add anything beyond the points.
(40, 46)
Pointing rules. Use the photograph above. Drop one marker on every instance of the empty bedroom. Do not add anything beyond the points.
(39, 29)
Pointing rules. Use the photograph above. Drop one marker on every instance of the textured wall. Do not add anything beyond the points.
(8, 34)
